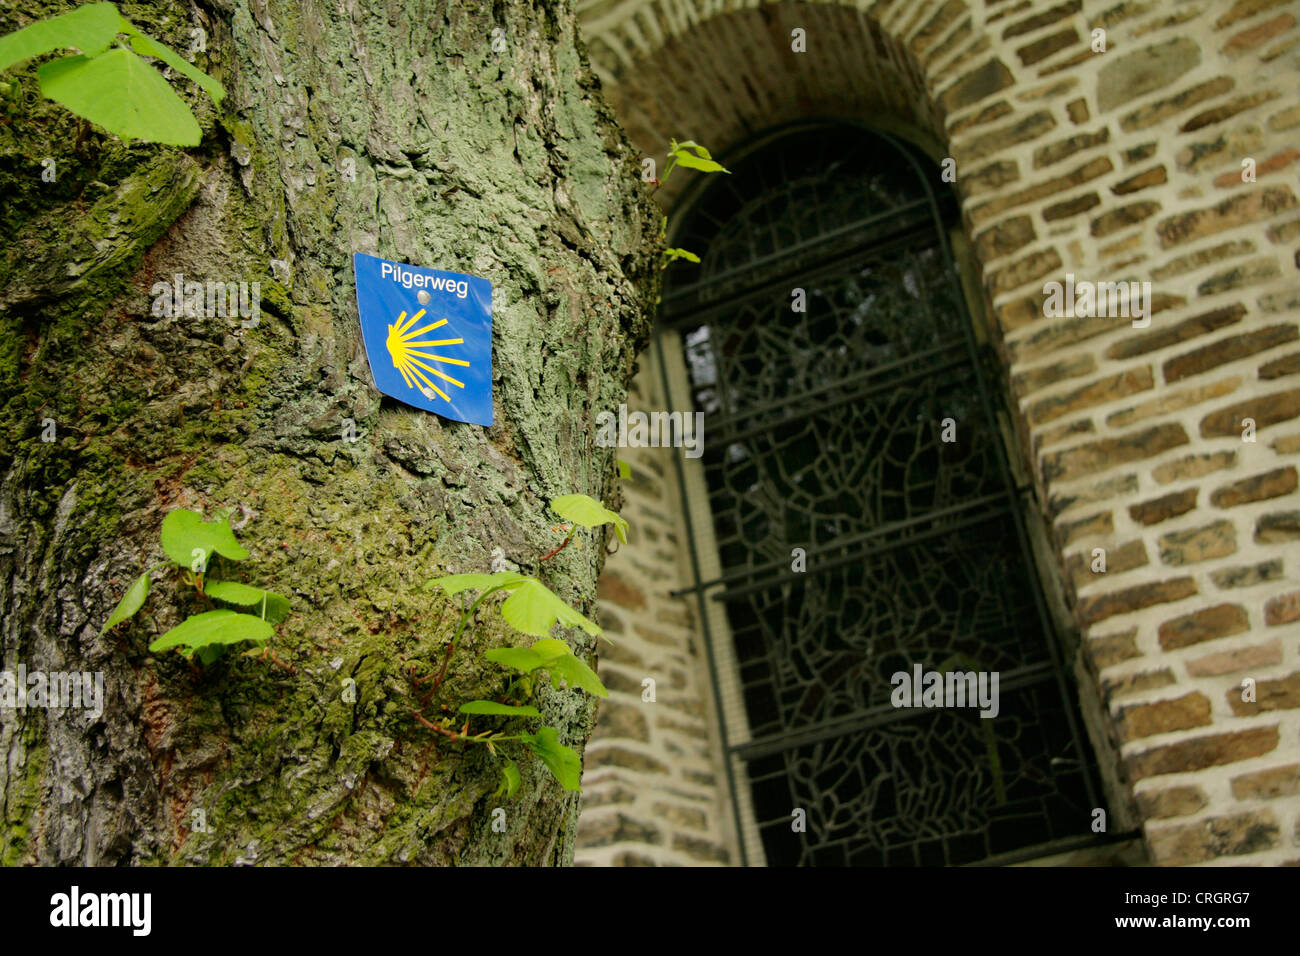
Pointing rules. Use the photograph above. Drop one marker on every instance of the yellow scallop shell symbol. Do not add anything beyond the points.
(409, 359)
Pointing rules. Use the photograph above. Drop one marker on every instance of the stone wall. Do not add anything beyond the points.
(1117, 165)
(653, 793)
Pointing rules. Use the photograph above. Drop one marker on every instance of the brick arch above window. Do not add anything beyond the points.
(720, 77)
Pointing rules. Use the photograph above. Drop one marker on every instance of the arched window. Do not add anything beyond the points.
(864, 522)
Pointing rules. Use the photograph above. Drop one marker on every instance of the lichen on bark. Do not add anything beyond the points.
(506, 165)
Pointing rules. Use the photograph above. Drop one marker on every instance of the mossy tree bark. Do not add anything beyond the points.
(502, 164)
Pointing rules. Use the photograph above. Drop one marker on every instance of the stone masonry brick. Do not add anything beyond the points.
(1221, 620)
(1029, 269)
(1194, 466)
(995, 141)
(1095, 393)
(1151, 177)
(1271, 484)
(1191, 261)
(1163, 508)
(1172, 401)
(1247, 207)
(1282, 693)
(1233, 835)
(1226, 111)
(1256, 36)
(1076, 177)
(1124, 216)
(1278, 528)
(1211, 750)
(1071, 207)
(976, 85)
(1165, 716)
(1274, 163)
(1171, 802)
(1265, 410)
(1128, 76)
(1110, 452)
(1055, 152)
(1228, 350)
(1282, 610)
(1118, 560)
(1116, 686)
(1005, 238)
(1244, 9)
(613, 587)
(598, 831)
(1113, 649)
(1097, 608)
(1248, 575)
(1116, 486)
(1041, 49)
(1153, 113)
(1280, 368)
(1237, 659)
(1268, 784)
(1043, 19)
(1187, 329)
(1070, 531)
(1043, 376)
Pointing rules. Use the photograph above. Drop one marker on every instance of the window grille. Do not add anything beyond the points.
(824, 431)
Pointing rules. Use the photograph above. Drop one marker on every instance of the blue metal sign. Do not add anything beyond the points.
(428, 336)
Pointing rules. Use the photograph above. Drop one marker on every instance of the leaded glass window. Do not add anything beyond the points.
(825, 431)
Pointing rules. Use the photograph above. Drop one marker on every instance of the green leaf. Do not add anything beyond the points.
(214, 627)
(694, 156)
(183, 531)
(149, 47)
(703, 165)
(589, 513)
(533, 608)
(455, 583)
(510, 780)
(674, 254)
(120, 92)
(553, 656)
(130, 603)
(624, 469)
(207, 654)
(550, 648)
(563, 763)
(522, 659)
(233, 592)
(492, 707)
(90, 29)
(576, 674)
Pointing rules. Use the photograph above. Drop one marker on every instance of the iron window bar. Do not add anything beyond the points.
(1054, 847)
(869, 717)
(870, 248)
(1010, 858)
(720, 426)
(980, 517)
(813, 244)
(997, 500)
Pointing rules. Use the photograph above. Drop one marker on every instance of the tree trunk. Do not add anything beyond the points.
(506, 165)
